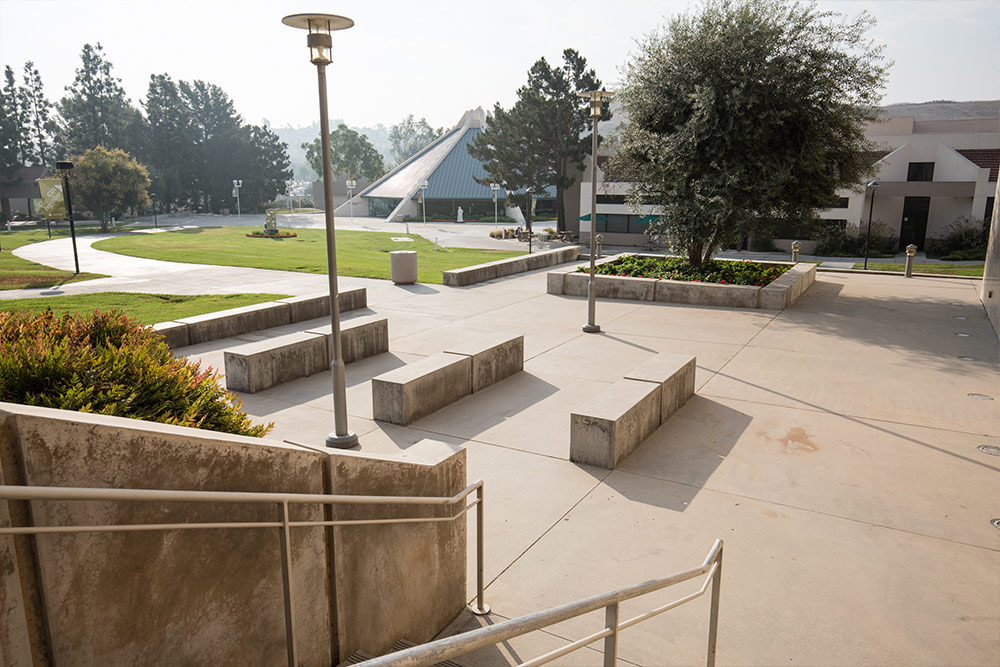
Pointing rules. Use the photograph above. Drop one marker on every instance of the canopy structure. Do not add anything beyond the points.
(450, 172)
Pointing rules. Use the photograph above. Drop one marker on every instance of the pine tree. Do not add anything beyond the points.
(38, 124)
(15, 115)
(173, 142)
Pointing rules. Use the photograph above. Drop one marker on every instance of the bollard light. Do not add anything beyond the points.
(911, 251)
(795, 251)
(873, 186)
(320, 43)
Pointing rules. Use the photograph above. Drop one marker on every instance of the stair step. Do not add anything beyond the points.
(358, 656)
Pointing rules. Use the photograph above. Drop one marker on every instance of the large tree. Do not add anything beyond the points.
(409, 136)
(173, 142)
(16, 117)
(38, 126)
(10, 131)
(108, 182)
(351, 155)
(516, 150)
(95, 110)
(558, 120)
(746, 111)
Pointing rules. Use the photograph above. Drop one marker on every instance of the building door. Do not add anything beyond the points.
(913, 227)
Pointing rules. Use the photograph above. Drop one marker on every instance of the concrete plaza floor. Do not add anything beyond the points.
(833, 446)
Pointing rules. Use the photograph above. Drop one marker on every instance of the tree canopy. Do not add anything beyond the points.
(409, 136)
(351, 155)
(108, 182)
(542, 140)
(744, 112)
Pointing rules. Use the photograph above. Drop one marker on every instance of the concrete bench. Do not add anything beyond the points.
(493, 358)
(613, 423)
(260, 365)
(238, 321)
(416, 390)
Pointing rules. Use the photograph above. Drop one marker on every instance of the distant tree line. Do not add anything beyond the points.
(187, 134)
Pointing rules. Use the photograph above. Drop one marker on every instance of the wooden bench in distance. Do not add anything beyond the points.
(616, 421)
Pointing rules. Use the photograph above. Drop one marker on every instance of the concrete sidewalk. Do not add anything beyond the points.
(833, 446)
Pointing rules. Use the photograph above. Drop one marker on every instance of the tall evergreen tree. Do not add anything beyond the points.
(38, 126)
(221, 147)
(95, 111)
(14, 111)
(351, 155)
(9, 138)
(173, 142)
(268, 169)
(409, 136)
(515, 149)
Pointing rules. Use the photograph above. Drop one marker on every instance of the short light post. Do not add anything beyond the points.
(320, 42)
(423, 198)
(911, 252)
(350, 195)
(597, 99)
(873, 186)
(65, 167)
(237, 184)
(495, 187)
(795, 251)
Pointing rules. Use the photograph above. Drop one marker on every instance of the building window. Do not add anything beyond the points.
(610, 199)
(988, 213)
(617, 223)
(920, 171)
(842, 202)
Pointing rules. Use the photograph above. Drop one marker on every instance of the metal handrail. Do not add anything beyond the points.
(284, 522)
(458, 645)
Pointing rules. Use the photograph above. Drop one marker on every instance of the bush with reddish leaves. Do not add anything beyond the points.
(108, 364)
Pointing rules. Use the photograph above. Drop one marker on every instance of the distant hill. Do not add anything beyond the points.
(944, 110)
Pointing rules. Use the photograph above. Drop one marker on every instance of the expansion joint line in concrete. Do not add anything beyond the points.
(812, 511)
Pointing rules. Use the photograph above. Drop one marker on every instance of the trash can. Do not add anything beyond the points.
(403, 266)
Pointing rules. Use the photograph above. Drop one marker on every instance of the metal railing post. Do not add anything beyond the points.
(611, 641)
(286, 583)
(713, 623)
(481, 608)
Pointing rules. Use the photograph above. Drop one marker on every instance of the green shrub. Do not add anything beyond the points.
(675, 268)
(108, 364)
(964, 234)
(850, 242)
(971, 255)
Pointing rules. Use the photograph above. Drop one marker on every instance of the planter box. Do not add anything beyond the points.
(778, 294)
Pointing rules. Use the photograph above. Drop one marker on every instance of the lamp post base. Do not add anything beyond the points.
(347, 441)
(591, 328)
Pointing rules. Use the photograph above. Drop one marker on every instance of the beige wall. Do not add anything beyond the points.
(991, 275)
(210, 596)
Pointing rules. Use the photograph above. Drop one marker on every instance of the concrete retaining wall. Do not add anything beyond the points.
(237, 321)
(780, 293)
(479, 273)
(214, 596)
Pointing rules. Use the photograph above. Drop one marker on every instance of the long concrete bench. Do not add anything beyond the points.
(260, 365)
(613, 423)
(237, 321)
(406, 394)
(479, 273)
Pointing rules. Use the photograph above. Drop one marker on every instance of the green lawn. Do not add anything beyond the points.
(946, 269)
(17, 273)
(147, 308)
(361, 254)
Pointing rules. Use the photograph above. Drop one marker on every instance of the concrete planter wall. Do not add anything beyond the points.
(470, 275)
(202, 597)
(236, 321)
(780, 293)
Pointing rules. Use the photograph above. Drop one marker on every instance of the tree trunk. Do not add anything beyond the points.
(694, 255)
(560, 209)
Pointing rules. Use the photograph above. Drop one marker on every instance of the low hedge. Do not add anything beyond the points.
(108, 364)
(675, 268)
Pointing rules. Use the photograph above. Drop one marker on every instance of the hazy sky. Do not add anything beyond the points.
(436, 58)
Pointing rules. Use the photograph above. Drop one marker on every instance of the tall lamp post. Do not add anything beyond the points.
(423, 198)
(873, 186)
(320, 26)
(495, 187)
(64, 167)
(597, 99)
(237, 184)
(350, 195)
